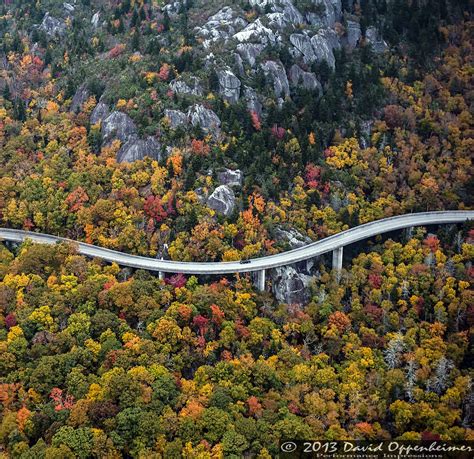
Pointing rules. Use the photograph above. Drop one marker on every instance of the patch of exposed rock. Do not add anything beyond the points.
(374, 38)
(220, 26)
(80, 97)
(192, 88)
(100, 112)
(292, 237)
(52, 26)
(276, 73)
(137, 149)
(307, 80)
(289, 286)
(118, 125)
(222, 200)
(229, 86)
(230, 177)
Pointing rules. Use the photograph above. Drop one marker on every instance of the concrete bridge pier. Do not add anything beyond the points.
(337, 259)
(260, 280)
(161, 275)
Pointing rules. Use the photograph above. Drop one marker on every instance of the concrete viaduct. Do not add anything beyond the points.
(334, 244)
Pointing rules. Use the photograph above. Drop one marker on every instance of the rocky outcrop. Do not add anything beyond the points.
(353, 33)
(198, 115)
(324, 13)
(253, 102)
(222, 200)
(80, 96)
(176, 118)
(68, 7)
(292, 237)
(230, 177)
(229, 86)
(250, 52)
(118, 125)
(137, 149)
(375, 40)
(303, 46)
(275, 72)
(53, 26)
(289, 286)
(256, 32)
(95, 20)
(323, 45)
(307, 80)
(220, 27)
(100, 112)
(181, 87)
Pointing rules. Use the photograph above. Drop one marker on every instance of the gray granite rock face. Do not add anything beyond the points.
(275, 72)
(118, 125)
(95, 20)
(176, 118)
(222, 200)
(307, 80)
(230, 177)
(303, 46)
(256, 32)
(192, 88)
(250, 52)
(325, 13)
(353, 33)
(198, 115)
(253, 102)
(136, 149)
(220, 26)
(289, 286)
(373, 37)
(81, 96)
(292, 237)
(100, 112)
(53, 26)
(229, 86)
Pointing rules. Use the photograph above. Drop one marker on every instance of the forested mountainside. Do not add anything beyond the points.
(213, 130)
(226, 130)
(101, 364)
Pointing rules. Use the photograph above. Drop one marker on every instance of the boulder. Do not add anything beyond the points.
(53, 26)
(256, 32)
(307, 80)
(222, 200)
(95, 20)
(303, 47)
(276, 73)
(176, 118)
(324, 13)
(80, 96)
(230, 177)
(68, 7)
(253, 102)
(136, 149)
(289, 286)
(181, 87)
(118, 125)
(373, 37)
(100, 112)
(198, 115)
(239, 65)
(353, 33)
(220, 26)
(323, 50)
(229, 86)
(250, 52)
(292, 237)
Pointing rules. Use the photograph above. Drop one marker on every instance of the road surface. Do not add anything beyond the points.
(307, 252)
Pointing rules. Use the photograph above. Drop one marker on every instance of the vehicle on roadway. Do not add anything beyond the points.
(245, 262)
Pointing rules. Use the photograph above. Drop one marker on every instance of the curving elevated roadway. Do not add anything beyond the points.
(333, 244)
